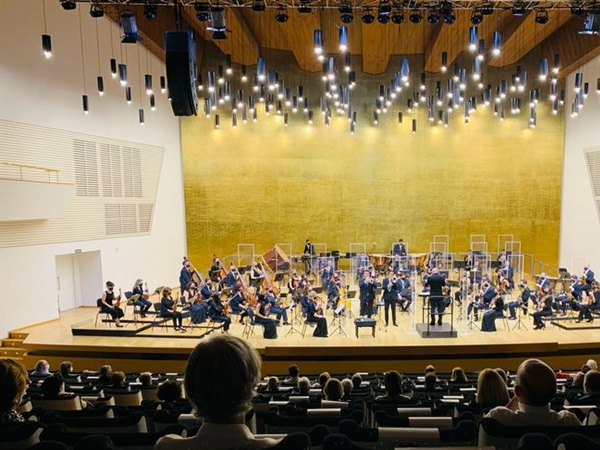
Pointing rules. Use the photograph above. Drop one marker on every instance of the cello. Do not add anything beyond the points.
(248, 296)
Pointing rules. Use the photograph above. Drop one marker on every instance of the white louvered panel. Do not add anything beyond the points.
(127, 173)
(79, 159)
(145, 211)
(593, 165)
(113, 219)
(105, 170)
(117, 178)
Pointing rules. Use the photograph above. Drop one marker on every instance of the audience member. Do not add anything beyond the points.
(578, 380)
(491, 389)
(535, 386)
(220, 378)
(273, 384)
(392, 381)
(458, 376)
(356, 381)
(54, 387)
(13, 380)
(145, 378)
(169, 391)
(502, 374)
(333, 390)
(430, 381)
(117, 379)
(293, 375)
(105, 375)
(429, 368)
(591, 386)
(303, 386)
(322, 380)
(66, 369)
(41, 369)
(592, 364)
(347, 387)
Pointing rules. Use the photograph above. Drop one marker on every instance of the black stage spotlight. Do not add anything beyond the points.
(150, 10)
(415, 16)
(449, 19)
(383, 17)
(397, 17)
(368, 16)
(281, 16)
(541, 17)
(304, 7)
(577, 9)
(258, 6)
(591, 26)
(433, 17)
(202, 11)
(476, 17)
(130, 29)
(68, 4)
(445, 8)
(346, 12)
(519, 9)
(218, 27)
(96, 11)
(383, 11)
(487, 9)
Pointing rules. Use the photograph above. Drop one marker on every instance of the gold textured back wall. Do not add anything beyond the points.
(265, 183)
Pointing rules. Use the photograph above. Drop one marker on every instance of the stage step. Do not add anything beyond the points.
(13, 352)
(17, 335)
(12, 342)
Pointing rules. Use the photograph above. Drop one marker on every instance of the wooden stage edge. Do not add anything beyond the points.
(163, 350)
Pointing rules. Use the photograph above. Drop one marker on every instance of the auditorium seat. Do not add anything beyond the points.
(20, 436)
(133, 423)
(575, 441)
(70, 402)
(124, 397)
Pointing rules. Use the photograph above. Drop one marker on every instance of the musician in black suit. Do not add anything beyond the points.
(110, 304)
(367, 294)
(588, 276)
(436, 282)
(326, 275)
(333, 292)
(399, 248)
(488, 321)
(525, 295)
(185, 275)
(168, 309)
(216, 311)
(308, 256)
(390, 294)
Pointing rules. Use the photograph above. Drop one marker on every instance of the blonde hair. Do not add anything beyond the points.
(491, 389)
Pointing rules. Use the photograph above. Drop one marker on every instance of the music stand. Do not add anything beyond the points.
(459, 264)
(159, 290)
(318, 289)
(520, 324)
(350, 295)
(338, 315)
(495, 264)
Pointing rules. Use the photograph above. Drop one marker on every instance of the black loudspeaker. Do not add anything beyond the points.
(180, 49)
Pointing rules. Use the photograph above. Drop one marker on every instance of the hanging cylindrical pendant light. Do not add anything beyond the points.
(473, 38)
(85, 103)
(496, 43)
(343, 35)
(100, 84)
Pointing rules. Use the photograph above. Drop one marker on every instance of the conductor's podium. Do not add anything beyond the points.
(362, 322)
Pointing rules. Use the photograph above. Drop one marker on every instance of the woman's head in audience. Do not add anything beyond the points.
(502, 374)
(347, 386)
(592, 364)
(145, 378)
(430, 380)
(53, 385)
(333, 389)
(458, 376)
(491, 389)
(169, 391)
(429, 369)
(117, 379)
(13, 379)
(393, 382)
(273, 384)
(42, 367)
(66, 368)
(585, 368)
(323, 378)
(356, 380)
(591, 382)
(221, 375)
(303, 386)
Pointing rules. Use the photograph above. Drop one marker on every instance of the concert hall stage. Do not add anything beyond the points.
(161, 349)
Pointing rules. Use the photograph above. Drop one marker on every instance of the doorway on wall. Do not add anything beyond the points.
(78, 279)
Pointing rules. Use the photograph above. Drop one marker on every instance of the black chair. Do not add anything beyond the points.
(575, 441)
(293, 441)
(340, 442)
(20, 435)
(536, 441)
(49, 445)
(95, 442)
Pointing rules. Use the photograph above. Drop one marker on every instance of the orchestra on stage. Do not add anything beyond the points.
(279, 295)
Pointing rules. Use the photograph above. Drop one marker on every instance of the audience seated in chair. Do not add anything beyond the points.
(220, 378)
(42, 369)
(491, 390)
(117, 380)
(293, 376)
(303, 386)
(170, 391)
(104, 376)
(347, 388)
(392, 381)
(535, 386)
(13, 380)
(591, 390)
(53, 387)
(333, 390)
(458, 376)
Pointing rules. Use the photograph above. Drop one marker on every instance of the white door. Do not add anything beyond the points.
(65, 282)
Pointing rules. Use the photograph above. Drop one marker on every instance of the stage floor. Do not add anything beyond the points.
(567, 346)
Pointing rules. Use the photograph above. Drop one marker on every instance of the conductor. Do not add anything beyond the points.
(436, 283)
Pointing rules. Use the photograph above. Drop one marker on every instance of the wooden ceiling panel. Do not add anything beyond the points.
(527, 35)
(266, 29)
(378, 42)
(411, 38)
(298, 35)
(452, 39)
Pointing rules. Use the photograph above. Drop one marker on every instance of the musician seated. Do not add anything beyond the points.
(214, 272)
(544, 309)
(140, 289)
(333, 291)
(237, 302)
(488, 321)
(110, 303)
(314, 314)
(216, 311)
(482, 300)
(276, 307)
(405, 293)
(589, 302)
(524, 300)
(198, 309)
(207, 290)
(256, 276)
(168, 309)
(261, 316)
